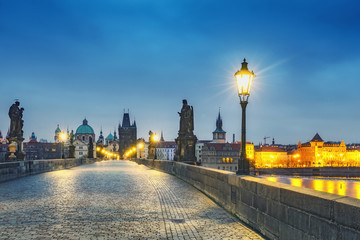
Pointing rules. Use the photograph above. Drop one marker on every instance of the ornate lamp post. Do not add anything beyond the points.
(243, 81)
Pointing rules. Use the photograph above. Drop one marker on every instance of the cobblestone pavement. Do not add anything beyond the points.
(112, 200)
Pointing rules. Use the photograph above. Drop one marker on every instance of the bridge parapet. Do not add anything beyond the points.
(13, 170)
(277, 210)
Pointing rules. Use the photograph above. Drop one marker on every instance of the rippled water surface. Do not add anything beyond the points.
(340, 186)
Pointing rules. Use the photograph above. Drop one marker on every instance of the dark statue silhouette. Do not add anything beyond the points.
(185, 142)
(16, 133)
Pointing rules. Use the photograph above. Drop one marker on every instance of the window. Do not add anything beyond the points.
(80, 153)
(83, 138)
(224, 168)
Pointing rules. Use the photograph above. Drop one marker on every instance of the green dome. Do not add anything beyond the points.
(84, 128)
(57, 129)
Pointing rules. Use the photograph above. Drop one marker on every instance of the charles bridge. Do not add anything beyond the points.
(154, 199)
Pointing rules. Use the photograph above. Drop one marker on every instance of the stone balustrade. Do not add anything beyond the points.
(13, 170)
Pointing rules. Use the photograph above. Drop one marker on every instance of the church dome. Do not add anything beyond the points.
(84, 128)
(57, 129)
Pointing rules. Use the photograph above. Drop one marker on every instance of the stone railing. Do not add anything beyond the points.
(13, 170)
(278, 211)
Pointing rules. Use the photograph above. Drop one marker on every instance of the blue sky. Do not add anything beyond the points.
(66, 60)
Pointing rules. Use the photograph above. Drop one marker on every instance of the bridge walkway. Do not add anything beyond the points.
(112, 200)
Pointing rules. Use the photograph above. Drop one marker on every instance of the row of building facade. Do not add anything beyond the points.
(219, 154)
(83, 138)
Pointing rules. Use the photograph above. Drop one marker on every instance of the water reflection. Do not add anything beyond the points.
(343, 187)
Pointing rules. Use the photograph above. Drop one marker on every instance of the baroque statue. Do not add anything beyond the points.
(16, 133)
(186, 119)
(186, 140)
(16, 121)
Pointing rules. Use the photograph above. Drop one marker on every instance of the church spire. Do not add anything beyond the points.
(219, 135)
(162, 137)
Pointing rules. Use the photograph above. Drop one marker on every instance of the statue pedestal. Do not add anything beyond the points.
(185, 149)
(15, 152)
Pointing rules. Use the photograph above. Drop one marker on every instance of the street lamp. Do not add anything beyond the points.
(243, 81)
(155, 139)
(63, 137)
(139, 147)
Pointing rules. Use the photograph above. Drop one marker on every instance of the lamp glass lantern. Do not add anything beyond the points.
(244, 80)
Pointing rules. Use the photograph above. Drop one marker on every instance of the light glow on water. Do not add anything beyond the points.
(340, 186)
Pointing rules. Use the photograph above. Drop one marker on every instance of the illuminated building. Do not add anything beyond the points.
(317, 153)
(270, 156)
(165, 150)
(38, 150)
(352, 157)
(224, 156)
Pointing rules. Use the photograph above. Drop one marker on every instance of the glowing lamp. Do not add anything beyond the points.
(155, 138)
(243, 81)
(63, 136)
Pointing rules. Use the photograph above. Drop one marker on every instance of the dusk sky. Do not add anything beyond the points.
(70, 59)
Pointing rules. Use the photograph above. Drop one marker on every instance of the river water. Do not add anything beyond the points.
(341, 186)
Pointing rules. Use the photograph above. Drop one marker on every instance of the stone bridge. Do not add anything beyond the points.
(148, 199)
(112, 200)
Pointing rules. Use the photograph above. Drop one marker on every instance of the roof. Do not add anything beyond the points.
(84, 128)
(220, 146)
(166, 144)
(109, 137)
(269, 149)
(316, 138)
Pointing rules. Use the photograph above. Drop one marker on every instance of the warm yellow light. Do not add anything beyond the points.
(296, 182)
(97, 149)
(244, 79)
(155, 138)
(103, 151)
(271, 179)
(63, 136)
(140, 145)
(134, 149)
